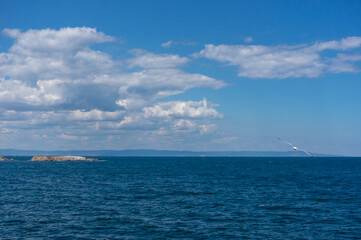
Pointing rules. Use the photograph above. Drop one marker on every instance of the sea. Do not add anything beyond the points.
(182, 198)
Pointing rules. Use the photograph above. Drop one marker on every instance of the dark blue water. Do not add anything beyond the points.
(186, 198)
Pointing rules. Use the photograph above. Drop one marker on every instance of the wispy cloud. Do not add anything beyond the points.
(172, 43)
(248, 39)
(225, 140)
(259, 61)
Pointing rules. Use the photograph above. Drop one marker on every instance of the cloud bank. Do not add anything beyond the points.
(53, 82)
(57, 91)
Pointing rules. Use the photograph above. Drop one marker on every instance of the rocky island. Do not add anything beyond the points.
(5, 159)
(62, 158)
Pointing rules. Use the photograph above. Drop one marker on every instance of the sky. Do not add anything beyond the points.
(181, 75)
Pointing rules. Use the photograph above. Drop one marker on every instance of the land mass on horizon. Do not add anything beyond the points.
(156, 153)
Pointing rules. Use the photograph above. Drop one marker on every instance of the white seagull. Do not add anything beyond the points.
(294, 147)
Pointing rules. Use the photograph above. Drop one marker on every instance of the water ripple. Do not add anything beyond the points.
(186, 198)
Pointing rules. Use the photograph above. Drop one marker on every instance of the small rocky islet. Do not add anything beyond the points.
(5, 159)
(41, 158)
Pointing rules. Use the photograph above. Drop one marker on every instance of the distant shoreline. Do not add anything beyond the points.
(158, 153)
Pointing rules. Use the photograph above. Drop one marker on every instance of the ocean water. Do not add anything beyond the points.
(182, 198)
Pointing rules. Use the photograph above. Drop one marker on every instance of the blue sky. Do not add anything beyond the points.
(182, 75)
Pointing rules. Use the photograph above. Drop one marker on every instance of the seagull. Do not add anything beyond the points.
(295, 148)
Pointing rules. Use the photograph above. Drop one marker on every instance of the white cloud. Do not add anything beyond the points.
(50, 40)
(167, 44)
(13, 33)
(344, 44)
(44, 93)
(257, 61)
(345, 63)
(172, 116)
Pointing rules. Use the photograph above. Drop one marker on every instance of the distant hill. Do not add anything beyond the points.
(153, 153)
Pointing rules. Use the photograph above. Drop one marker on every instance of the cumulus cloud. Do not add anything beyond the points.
(51, 40)
(94, 115)
(182, 109)
(46, 67)
(184, 125)
(17, 92)
(151, 84)
(258, 61)
(54, 82)
(172, 116)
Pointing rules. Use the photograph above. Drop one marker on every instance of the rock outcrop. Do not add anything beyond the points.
(5, 159)
(61, 158)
